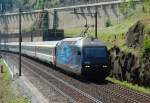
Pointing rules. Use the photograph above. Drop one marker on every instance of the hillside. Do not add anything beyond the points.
(129, 43)
(9, 5)
(129, 46)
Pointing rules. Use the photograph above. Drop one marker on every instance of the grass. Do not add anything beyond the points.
(115, 35)
(135, 87)
(115, 29)
(119, 30)
(123, 25)
(7, 93)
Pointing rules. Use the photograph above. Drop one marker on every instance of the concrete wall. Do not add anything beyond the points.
(11, 21)
(67, 20)
(65, 17)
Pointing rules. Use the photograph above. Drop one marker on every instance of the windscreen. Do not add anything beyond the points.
(94, 52)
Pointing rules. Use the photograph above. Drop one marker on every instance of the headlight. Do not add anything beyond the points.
(104, 66)
(87, 66)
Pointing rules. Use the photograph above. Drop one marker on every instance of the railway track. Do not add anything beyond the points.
(82, 91)
(130, 93)
(74, 94)
(124, 93)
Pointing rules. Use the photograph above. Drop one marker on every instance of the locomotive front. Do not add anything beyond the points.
(95, 59)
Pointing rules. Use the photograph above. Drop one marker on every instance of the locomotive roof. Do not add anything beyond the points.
(85, 41)
(73, 39)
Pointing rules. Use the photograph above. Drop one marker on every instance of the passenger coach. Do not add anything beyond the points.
(82, 55)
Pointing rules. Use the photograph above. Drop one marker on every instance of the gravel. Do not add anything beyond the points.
(32, 87)
(105, 92)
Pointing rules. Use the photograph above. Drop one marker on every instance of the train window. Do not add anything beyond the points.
(79, 53)
(28, 48)
(94, 52)
(45, 50)
(14, 47)
(23, 48)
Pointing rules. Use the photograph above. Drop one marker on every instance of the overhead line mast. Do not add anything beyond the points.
(20, 40)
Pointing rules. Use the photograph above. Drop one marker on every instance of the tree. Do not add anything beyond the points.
(46, 3)
(146, 6)
(18, 3)
(126, 6)
(30, 4)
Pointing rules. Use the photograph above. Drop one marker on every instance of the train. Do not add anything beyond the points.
(84, 56)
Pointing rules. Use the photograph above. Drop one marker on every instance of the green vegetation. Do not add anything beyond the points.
(105, 34)
(119, 28)
(29, 4)
(35, 4)
(130, 85)
(108, 23)
(115, 34)
(7, 93)
(147, 29)
(146, 46)
(146, 6)
(125, 8)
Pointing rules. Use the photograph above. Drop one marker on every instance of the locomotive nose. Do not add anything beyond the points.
(98, 68)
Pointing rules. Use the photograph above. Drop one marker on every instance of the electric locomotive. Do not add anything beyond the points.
(81, 55)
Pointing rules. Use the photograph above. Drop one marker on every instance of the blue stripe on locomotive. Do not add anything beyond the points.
(67, 54)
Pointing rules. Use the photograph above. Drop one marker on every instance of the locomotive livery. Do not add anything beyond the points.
(81, 55)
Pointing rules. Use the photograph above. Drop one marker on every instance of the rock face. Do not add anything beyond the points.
(135, 35)
(128, 67)
(145, 73)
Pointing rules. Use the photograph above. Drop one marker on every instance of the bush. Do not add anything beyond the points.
(126, 6)
(146, 47)
(108, 23)
(146, 6)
